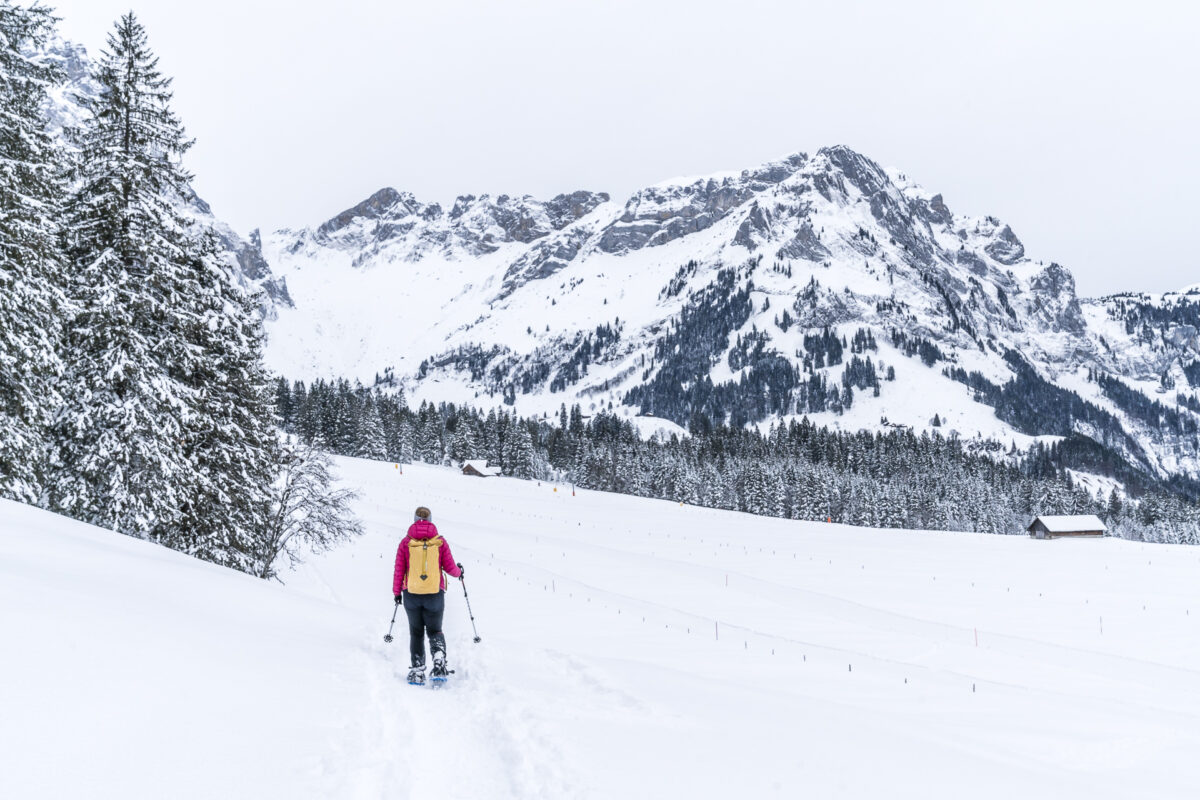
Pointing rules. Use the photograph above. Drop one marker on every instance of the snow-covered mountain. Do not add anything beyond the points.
(819, 285)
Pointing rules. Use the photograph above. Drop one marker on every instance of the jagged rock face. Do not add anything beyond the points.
(755, 229)
(1006, 248)
(657, 216)
(398, 223)
(665, 213)
(857, 170)
(804, 245)
(543, 260)
(1054, 299)
(258, 272)
(75, 63)
(384, 202)
(937, 211)
(564, 209)
(774, 172)
(971, 261)
(1185, 337)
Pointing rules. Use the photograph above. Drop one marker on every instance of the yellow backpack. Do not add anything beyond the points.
(425, 565)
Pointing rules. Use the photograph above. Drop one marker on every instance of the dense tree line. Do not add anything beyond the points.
(1158, 418)
(687, 352)
(822, 350)
(1035, 406)
(798, 471)
(132, 391)
(911, 344)
(679, 280)
(348, 419)
(1149, 320)
(586, 349)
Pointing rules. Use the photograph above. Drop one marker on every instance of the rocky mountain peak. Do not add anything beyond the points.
(862, 173)
(383, 203)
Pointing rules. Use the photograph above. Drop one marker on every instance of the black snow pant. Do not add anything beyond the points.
(425, 614)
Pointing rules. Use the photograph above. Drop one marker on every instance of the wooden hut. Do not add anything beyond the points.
(479, 469)
(1050, 527)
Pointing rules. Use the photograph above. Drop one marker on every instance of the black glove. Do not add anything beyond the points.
(461, 571)
(399, 598)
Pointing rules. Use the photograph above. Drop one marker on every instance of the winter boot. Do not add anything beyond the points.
(439, 672)
(416, 675)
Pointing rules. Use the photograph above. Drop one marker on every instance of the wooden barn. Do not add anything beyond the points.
(480, 469)
(1070, 525)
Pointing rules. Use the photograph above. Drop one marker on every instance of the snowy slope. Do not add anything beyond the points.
(844, 665)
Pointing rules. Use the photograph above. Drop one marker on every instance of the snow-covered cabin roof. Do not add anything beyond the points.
(481, 467)
(1070, 523)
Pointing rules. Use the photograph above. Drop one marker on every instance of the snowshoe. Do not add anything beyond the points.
(439, 674)
(416, 677)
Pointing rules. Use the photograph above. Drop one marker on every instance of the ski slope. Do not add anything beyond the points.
(631, 648)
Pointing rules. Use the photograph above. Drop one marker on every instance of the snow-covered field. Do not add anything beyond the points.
(631, 648)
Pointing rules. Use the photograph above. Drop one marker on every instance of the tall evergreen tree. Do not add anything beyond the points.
(32, 278)
(168, 428)
(369, 436)
(124, 457)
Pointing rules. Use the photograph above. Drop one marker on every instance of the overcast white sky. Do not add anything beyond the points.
(1076, 122)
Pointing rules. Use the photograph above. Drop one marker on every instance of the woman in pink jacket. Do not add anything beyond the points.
(419, 583)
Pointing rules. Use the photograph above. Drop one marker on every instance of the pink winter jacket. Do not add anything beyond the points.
(421, 530)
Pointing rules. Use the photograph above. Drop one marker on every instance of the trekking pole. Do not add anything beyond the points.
(469, 613)
(387, 637)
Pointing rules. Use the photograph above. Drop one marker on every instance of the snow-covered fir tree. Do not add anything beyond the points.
(232, 441)
(167, 427)
(31, 267)
(370, 440)
(124, 454)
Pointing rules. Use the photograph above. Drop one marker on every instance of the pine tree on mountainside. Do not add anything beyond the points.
(370, 440)
(168, 430)
(405, 446)
(492, 445)
(1114, 506)
(521, 459)
(32, 276)
(463, 446)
